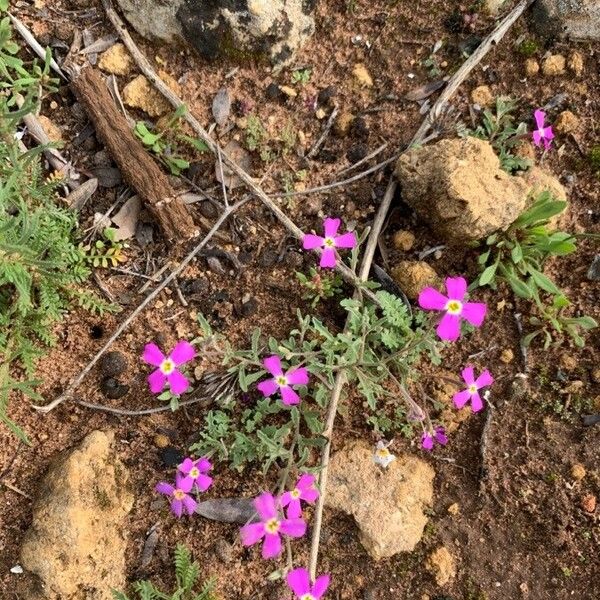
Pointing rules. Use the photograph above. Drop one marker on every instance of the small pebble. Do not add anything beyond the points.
(588, 503)
(566, 122)
(342, 124)
(576, 63)
(273, 92)
(113, 389)
(268, 258)
(208, 209)
(161, 440)
(567, 362)
(482, 95)
(223, 550)
(507, 356)
(362, 76)
(403, 240)
(532, 67)
(327, 94)
(171, 456)
(112, 364)
(454, 509)
(554, 65)
(312, 206)
(356, 153)
(249, 308)
(578, 471)
(359, 128)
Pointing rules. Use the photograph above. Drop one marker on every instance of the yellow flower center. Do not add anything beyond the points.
(454, 307)
(295, 494)
(472, 389)
(307, 597)
(167, 366)
(281, 380)
(179, 494)
(272, 526)
(383, 452)
(194, 473)
(329, 242)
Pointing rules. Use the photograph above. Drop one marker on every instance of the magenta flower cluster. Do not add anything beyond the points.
(282, 516)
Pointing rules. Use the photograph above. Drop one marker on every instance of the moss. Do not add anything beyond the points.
(594, 158)
(528, 47)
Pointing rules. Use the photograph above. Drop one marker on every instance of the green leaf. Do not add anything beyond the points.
(544, 282)
(530, 337)
(488, 274)
(516, 253)
(584, 322)
(542, 210)
(519, 287)
(3, 4)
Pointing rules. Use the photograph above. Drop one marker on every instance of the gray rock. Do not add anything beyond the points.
(576, 19)
(239, 28)
(594, 271)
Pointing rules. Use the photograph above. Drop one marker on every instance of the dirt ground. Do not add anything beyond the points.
(521, 530)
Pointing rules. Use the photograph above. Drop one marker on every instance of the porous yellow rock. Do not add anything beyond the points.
(116, 60)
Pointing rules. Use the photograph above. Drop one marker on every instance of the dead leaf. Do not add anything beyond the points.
(79, 196)
(228, 510)
(424, 91)
(221, 106)
(238, 155)
(149, 547)
(126, 219)
(100, 45)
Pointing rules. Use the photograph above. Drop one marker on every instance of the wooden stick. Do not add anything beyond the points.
(380, 218)
(147, 300)
(146, 68)
(137, 166)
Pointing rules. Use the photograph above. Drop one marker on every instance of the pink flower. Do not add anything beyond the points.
(299, 582)
(473, 387)
(282, 381)
(305, 490)
(429, 438)
(455, 307)
(330, 242)
(179, 495)
(195, 471)
(542, 134)
(167, 371)
(271, 526)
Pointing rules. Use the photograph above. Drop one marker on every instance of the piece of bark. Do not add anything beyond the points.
(137, 167)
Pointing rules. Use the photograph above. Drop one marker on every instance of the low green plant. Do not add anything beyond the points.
(301, 76)
(528, 47)
(320, 285)
(106, 252)
(41, 267)
(499, 129)
(187, 573)
(166, 142)
(517, 257)
(594, 159)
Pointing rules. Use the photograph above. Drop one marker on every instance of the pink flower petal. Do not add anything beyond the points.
(320, 586)
(182, 353)
(157, 381)
(252, 533)
(484, 379)
(164, 488)
(183, 483)
(190, 505)
(273, 365)
(548, 134)
(186, 466)
(310, 241)
(203, 482)
(540, 116)
(449, 327)
(346, 240)
(203, 464)
(328, 259)
(289, 396)
(456, 288)
(468, 374)
(177, 507)
(306, 480)
(427, 442)
(177, 383)
(299, 581)
(440, 436)
(537, 138)
(285, 499)
(294, 510)
(331, 227)
(297, 376)
(271, 546)
(293, 527)
(474, 312)
(310, 495)
(268, 387)
(265, 506)
(461, 398)
(476, 402)
(431, 299)
(153, 355)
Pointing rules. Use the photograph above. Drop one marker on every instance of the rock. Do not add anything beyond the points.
(553, 65)
(249, 307)
(362, 76)
(566, 122)
(251, 29)
(539, 181)
(442, 565)
(507, 356)
(52, 131)
(161, 440)
(116, 60)
(576, 19)
(113, 364)
(578, 471)
(357, 152)
(568, 362)
(403, 240)
(576, 63)
(454, 185)
(171, 456)
(312, 206)
(342, 124)
(327, 95)
(76, 543)
(208, 209)
(387, 505)
(588, 503)
(593, 273)
(532, 67)
(454, 509)
(482, 96)
(596, 375)
(223, 550)
(413, 275)
(288, 91)
(493, 6)
(273, 92)
(140, 93)
(113, 389)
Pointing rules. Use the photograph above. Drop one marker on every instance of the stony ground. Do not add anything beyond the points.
(513, 512)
